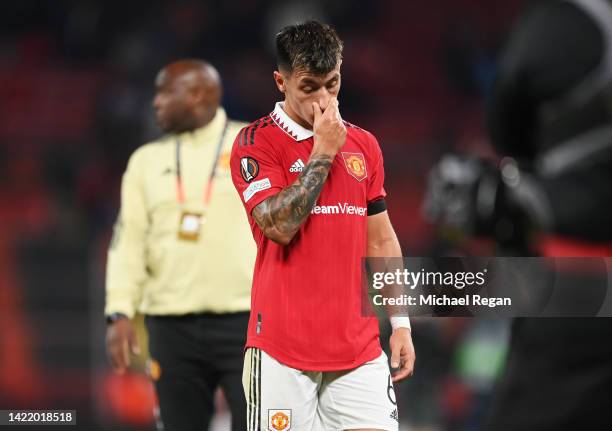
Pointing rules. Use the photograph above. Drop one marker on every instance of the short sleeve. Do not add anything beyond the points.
(376, 190)
(256, 171)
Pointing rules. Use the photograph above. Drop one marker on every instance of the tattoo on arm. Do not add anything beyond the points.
(280, 216)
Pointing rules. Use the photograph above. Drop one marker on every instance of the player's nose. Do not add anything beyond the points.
(324, 102)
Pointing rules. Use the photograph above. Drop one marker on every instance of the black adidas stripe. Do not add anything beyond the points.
(254, 400)
(243, 133)
(247, 134)
(250, 407)
(255, 127)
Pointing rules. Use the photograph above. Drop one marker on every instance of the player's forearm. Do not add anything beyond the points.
(280, 216)
(385, 247)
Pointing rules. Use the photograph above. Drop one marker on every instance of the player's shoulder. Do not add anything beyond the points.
(256, 133)
(355, 130)
(363, 136)
(234, 126)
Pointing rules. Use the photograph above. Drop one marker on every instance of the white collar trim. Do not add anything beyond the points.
(289, 126)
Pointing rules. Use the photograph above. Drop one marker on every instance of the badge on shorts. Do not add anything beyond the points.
(153, 369)
(279, 420)
(189, 226)
(355, 165)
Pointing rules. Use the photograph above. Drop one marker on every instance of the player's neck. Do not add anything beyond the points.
(295, 117)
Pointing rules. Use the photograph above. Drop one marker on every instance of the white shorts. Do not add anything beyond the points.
(281, 398)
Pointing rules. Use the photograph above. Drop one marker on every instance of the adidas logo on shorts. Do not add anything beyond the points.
(298, 166)
(394, 415)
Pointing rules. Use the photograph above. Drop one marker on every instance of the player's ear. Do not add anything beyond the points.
(280, 81)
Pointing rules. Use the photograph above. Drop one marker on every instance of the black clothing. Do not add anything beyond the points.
(551, 95)
(196, 354)
(545, 95)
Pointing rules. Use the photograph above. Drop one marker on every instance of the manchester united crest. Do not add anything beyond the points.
(279, 420)
(355, 165)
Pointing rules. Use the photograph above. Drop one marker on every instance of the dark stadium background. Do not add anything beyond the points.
(76, 81)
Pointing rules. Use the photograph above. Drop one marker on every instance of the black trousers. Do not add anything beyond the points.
(197, 353)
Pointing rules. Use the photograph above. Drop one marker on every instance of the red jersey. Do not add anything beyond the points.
(306, 296)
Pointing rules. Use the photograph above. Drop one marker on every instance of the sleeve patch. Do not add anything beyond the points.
(249, 169)
(256, 187)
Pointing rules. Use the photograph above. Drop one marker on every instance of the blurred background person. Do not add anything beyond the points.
(550, 116)
(183, 255)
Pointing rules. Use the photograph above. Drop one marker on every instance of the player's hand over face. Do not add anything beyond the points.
(402, 353)
(120, 340)
(329, 130)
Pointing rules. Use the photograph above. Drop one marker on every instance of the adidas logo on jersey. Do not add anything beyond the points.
(298, 166)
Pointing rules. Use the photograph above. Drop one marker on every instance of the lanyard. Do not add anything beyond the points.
(179, 179)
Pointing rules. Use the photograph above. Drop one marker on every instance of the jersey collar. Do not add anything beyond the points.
(289, 126)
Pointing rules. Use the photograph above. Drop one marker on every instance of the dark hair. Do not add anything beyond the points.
(311, 45)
